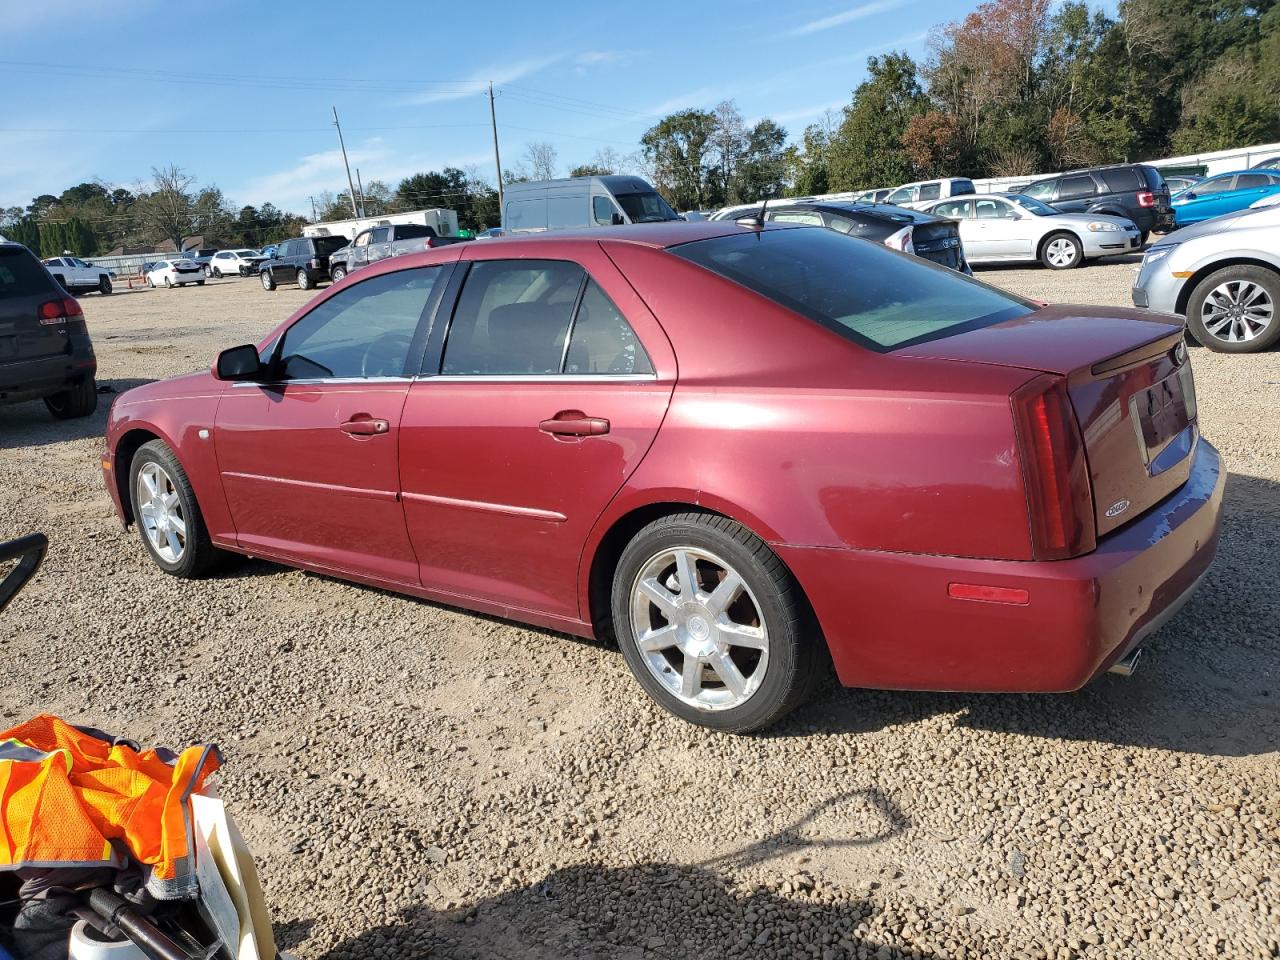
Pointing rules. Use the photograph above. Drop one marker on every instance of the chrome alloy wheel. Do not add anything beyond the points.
(160, 513)
(698, 628)
(1237, 311)
(1061, 252)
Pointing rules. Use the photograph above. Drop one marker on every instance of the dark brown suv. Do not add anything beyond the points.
(1133, 190)
(45, 351)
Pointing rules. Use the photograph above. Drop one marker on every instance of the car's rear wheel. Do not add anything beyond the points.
(104, 285)
(712, 624)
(199, 283)
(268, 282)
(167, 515)
(168, 282)
(217, 272)
(304, 280)
(78, 401)
(151, 283)
(337, 273)
(1061, 251)
(1234, 310)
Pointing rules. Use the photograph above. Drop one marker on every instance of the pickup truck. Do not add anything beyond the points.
(378, 243)
(76, 276)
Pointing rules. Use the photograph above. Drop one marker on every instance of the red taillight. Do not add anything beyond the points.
(1054, 470)
(1146, 199)
(59, 311)
(431, 242)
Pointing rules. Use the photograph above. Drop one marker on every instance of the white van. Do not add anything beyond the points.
(927, 191)
(580, 202)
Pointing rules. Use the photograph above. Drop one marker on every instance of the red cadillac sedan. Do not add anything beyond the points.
(745, 452)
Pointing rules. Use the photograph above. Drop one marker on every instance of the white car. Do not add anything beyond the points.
(175, 273)
(1009, 227)
(233, 263)
(76, 276)
(923, 192)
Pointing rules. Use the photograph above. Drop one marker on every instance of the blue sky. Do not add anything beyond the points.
(239, 93)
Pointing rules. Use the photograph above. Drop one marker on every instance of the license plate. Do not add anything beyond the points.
(1161, 412)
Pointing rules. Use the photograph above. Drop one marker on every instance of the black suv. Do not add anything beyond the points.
(932, 238)
(1133, 190)
(302, 260)
(45, 351)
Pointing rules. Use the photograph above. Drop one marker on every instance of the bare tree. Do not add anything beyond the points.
(542, 158)
(168, 211)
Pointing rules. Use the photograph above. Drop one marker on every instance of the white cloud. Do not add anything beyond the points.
(847, 16)
(479, 80)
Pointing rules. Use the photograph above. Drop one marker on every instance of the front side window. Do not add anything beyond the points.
(1042, 190)
(285, 250)
(1216, 185)
(602, 211)
(364, 331)
(380, 235)
(864, 292)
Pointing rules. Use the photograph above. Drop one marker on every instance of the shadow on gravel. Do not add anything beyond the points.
(647, 910)
(980, 268)
(31, 425)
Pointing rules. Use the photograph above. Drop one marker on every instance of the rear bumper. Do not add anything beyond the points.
(36, 379)
(890, 623)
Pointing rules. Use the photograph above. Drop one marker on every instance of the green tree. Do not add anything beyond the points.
(866, 151)
(676, 148)
(761, 170)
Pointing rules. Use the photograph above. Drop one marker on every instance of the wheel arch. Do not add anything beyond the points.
(1055, 232)
(127, 448)
(1188, 288)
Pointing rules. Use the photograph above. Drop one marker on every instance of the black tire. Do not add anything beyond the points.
(268, 281)
(199, 555)
(104, 285)
(797, 655)
(199, 283)
(217, 273)
(1142, 240)
(1047, 258)
(244, 272)
(1267, 280)
(79, 401)
(304, 280)
(337, 273)
(168, 283)
(150, 283)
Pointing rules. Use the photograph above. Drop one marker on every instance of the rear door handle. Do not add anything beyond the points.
(362, 425)
(574, 423)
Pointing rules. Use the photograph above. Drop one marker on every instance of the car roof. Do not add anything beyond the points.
(668, 233)
(1236, 173)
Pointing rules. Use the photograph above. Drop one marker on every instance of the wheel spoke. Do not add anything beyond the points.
(660, 638)
(686, 572)
(691, 677)
(741, 635)
(725, 593)
(149, 481)
(174, 543)
(728, 671)
(178, 525)
(659, 596)
(148, 510)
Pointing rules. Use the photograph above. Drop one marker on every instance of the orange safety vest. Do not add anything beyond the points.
(67, 799)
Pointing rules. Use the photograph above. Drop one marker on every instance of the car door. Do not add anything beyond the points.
(535, 408)
(1002, 233)
(309, 457)
(1251, 187)
(379, 244)
(1202, 201)
(961, 211)
(277, 264)
(360, 250)
(1075, 193)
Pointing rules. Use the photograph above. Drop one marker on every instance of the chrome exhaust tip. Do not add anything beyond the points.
(1127, 664)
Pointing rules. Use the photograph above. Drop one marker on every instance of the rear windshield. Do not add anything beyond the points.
(21, 275)
(645, 207)
(326, 245)
(861, 290)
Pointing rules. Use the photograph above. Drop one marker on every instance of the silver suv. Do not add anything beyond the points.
(1223, 275)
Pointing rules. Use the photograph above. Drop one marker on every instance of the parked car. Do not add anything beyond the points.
(1224, 193)
(387, 240)
(45, 350)
(1271, 163)
(879, 195)
(268, 250)
(1007, 227)
(911, 231)
(926, 191)
(175, 273)
(230, 263)
(1223, 275)
(1177, 184)
(76, 276)
(302, 260)
(1135, 191)
(491, 234)
(581, 202)
(935, 481)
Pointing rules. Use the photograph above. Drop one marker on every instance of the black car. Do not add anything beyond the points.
(302, 260)
(1132, 190)
(45, 350)
(913, 231)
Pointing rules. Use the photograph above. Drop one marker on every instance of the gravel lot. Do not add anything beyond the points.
(418, 781)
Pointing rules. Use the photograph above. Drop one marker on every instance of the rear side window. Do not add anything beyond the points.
(1247, 181)
(21, 275)
(930, 191)
(1216, 185)
(1073, 188)
(864, 292)
(413, 231)
(602, 342)
(959, 187)
(955, 209)
(1122, 180)
(565, 212)
(323, 246)
(867, 228)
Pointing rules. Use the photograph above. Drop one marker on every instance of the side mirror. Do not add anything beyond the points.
(616, 219)
(239, 363)
(1190, 195)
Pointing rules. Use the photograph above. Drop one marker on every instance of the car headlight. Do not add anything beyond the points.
(1156, 254)
(1102, 226)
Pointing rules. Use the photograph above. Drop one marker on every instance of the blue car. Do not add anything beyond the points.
(1223, 193)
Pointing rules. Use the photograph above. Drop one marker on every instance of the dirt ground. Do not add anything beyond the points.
(418, 781)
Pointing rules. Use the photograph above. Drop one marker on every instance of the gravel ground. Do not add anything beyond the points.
(417, 781)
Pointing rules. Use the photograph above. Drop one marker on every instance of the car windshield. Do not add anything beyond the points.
(863, 291)
(1037, 207)
(646, 207)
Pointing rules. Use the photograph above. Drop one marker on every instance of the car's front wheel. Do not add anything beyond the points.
(268, 281)
(77, 401)
(713, 625)
(167, 515)
(104, 284)
(1233, 310)
(1061, 251)
(337, 273)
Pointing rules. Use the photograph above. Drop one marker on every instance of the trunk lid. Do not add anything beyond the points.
(1129, 380)
(25, 285)
(938, 241)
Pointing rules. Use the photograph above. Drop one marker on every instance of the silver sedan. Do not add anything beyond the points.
(1223, 275)
(1011, 227)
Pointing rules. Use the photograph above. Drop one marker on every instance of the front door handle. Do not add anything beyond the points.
(574, 423)
(362, 425)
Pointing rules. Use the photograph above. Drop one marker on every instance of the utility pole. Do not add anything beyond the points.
(314, 218)
(351, 187)
(360, 186)
(497, 160)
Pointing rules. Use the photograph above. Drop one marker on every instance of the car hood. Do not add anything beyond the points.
(1083, 219)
